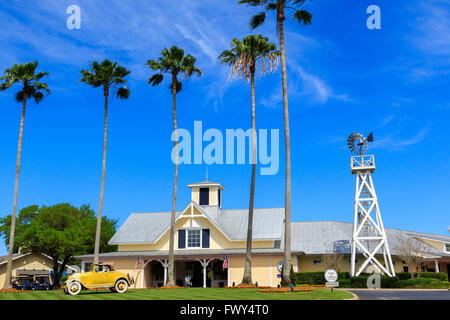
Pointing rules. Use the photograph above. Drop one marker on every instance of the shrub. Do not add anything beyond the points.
(389, 282)
(424, 283)
(308, 277)
(442, 276)
(404, 275)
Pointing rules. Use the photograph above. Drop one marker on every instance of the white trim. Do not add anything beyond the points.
(445, 247)
(201, 239)
(203, 214)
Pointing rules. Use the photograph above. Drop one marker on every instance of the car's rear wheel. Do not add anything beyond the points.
(121, 286)
(74, 288)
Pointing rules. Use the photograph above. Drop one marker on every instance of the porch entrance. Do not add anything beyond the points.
(191, 272)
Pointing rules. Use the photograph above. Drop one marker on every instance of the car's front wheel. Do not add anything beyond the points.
(121, 286)
(74, 288)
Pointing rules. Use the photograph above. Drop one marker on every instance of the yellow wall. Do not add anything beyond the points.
(264, 269)
(195, 195)
(31, 261)
(306, 263)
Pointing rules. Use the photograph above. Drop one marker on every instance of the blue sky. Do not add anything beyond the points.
(342, 78)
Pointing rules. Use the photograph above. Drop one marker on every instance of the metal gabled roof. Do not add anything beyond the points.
(319, 237)
(141, 228)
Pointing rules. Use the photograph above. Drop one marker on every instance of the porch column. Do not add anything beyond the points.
(204, 264)
(436, 264)
(165, 264)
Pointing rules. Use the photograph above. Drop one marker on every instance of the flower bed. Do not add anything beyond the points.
(296, 289)
(12, 291)
(167, 287)
(246, 286)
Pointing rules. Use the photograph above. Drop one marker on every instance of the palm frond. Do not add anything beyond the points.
(271, 6)
(178, 86)
(253, 3)
(303, 17)
(123, 93)
(155, 79)
(257, 20)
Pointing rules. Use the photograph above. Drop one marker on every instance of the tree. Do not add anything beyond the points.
(243, 59)
(331, 259)
(413, 252)
(108, 75)
(304, 17)
(59, 231)
(24, 75)
(173, 61)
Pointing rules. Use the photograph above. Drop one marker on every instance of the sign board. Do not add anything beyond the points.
(331, 275)
(332, 284)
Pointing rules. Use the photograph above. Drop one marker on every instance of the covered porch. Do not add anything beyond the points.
(194, 272)
(438, 264)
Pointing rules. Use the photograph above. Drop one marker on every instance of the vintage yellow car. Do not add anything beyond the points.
(100, 276)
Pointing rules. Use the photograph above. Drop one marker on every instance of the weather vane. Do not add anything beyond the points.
(357, 143)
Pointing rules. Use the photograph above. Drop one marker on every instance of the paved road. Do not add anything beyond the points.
(401, 294)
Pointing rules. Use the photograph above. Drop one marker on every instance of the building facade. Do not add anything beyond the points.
(29, 263)
(210, 244)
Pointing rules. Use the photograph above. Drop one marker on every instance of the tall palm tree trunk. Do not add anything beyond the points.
(286, 279)
(8, 276)
(248, 255)
(171, 269)
(100, 203)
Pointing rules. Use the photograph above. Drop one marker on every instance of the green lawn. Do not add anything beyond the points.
(181, 294)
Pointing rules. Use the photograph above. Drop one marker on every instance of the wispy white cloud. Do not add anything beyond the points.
(395, 143)
(386, 120)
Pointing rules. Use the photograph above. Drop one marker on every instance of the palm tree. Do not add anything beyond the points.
(304, 17)
(25, 75)
(173, 61)
(111, 77)
(243, 58)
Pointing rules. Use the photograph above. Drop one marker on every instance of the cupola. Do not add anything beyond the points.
(206, 193)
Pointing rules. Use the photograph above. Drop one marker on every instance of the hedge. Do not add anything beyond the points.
(442, 276)
(401, 280)
(314, 278)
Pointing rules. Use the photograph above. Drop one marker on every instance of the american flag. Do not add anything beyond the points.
(137, 262)
(225, 263)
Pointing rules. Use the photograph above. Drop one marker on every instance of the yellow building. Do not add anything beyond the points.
(206, 235)
(28, 262)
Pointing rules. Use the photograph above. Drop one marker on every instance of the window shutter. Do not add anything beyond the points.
(204, 196)
(181, 239)
(205, 238)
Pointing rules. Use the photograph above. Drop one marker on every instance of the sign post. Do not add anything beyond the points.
(331, 277)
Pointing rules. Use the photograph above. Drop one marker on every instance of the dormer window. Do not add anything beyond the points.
(447, 247)
(204, 196)
(193, 238)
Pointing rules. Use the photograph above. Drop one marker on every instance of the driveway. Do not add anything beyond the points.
(387, 294)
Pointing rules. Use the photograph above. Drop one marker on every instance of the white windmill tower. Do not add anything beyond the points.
(369, 236)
